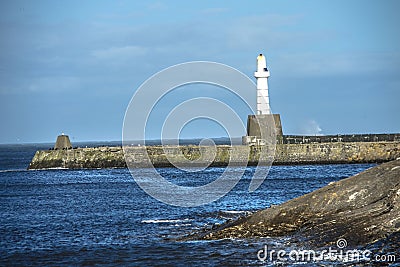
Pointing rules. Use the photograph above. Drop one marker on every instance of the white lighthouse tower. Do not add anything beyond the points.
(263, 127)
(262, 75)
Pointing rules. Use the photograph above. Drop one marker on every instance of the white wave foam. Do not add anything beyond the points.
(166, 221)
(234, 211)
(47, 169)
(14, 170)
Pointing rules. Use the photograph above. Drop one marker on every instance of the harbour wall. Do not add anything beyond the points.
(300, 139)
(221, 155)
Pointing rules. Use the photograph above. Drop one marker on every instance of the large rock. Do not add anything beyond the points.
(362, 209)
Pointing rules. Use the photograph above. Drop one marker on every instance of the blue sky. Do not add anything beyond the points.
(73, 66)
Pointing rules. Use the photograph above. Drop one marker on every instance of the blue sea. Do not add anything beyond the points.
(103, 218)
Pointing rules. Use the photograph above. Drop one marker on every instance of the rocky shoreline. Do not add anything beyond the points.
(362, 209)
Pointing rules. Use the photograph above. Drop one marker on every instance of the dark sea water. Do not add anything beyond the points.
(102, 217)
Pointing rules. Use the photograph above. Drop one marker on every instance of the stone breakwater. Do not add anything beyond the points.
(192, 155)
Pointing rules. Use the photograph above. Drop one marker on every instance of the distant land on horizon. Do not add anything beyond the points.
(185, 141)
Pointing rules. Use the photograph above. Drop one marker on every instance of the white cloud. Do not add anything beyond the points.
(54, 84)
(264, 31)
(214, 10)
(333, 64)
(120, 53)
(157, 6)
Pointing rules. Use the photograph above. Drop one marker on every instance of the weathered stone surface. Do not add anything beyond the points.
(362, 209)
(357, 152)
(80, 158)
(316, 153)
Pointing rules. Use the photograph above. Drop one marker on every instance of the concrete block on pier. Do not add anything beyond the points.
(63, 142)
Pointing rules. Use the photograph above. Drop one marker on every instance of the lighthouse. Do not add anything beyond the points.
(264, 127)
(262, 75)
